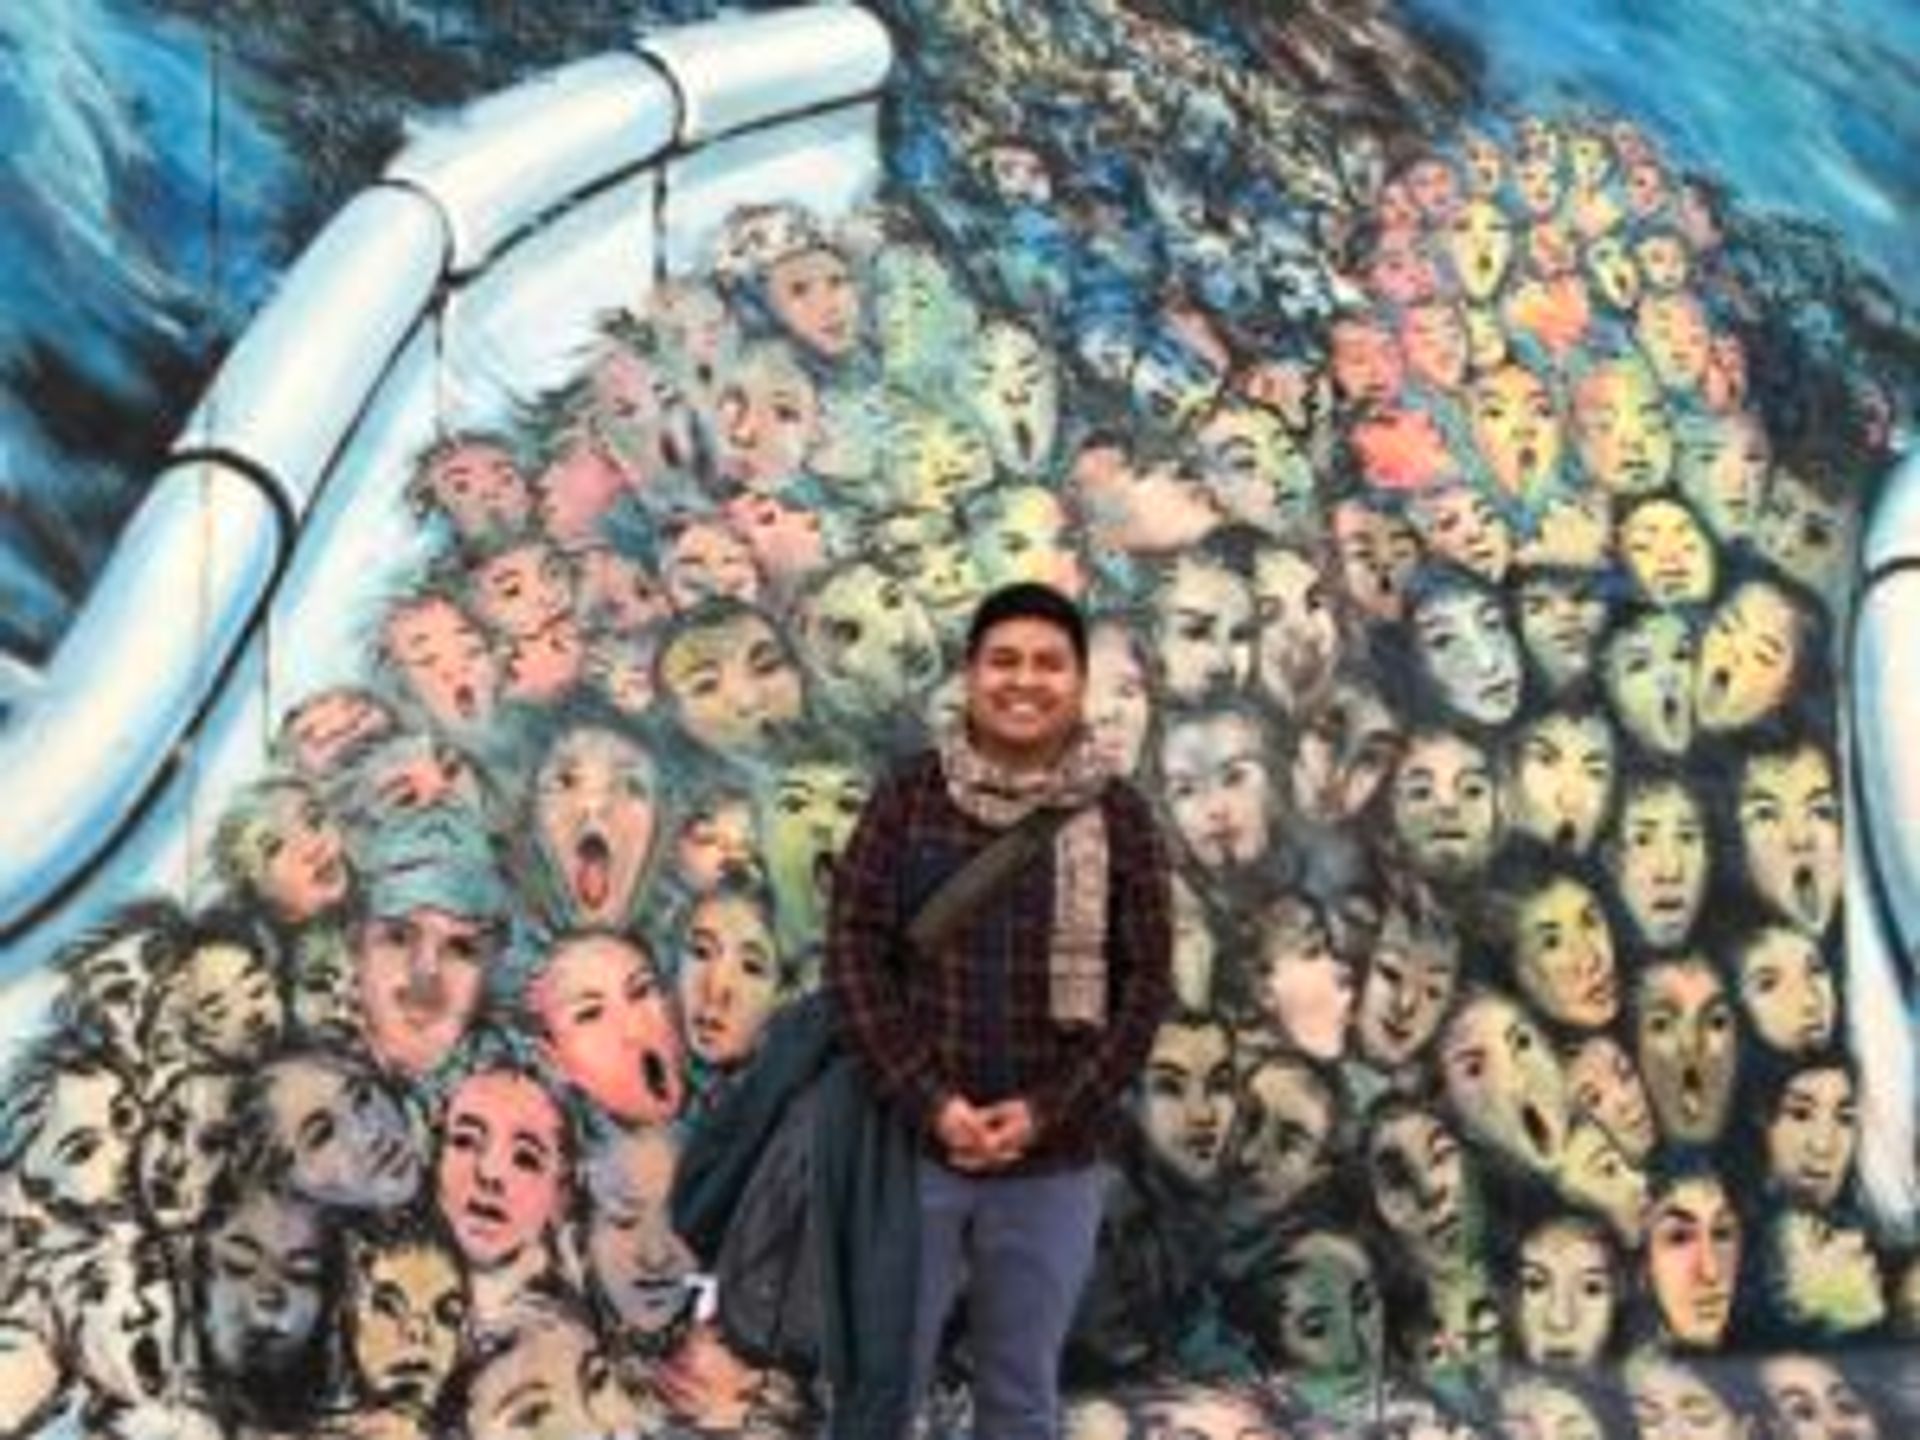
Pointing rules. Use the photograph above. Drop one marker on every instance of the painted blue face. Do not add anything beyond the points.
(263, 1287)
(1469, 652)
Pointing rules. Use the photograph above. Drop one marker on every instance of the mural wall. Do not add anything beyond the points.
(1465, 494)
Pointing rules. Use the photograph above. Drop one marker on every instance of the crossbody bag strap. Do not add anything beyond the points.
(965, 892)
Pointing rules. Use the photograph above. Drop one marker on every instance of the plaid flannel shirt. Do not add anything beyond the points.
(973, 1020)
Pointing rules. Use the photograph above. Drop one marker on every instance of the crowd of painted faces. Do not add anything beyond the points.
(1476, 661)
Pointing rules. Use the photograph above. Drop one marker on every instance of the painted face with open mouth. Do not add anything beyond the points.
(504, 1165)
(408, 1317)
(1687, 1040)
(608, 1027)
(1790, 832)
(595, 813)
(1504, 1083)
(806, 816)
(114, 1301)
(1649, 681)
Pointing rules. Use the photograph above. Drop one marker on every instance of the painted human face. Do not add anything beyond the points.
(1346, 751)
(342, 1136)
(595, 808)
(1150, 510)
(1403, 271)
(445, 660)
(805, 820)
(1622, 430)
(232, 1008)
(1299, 636)
(731, 682)
(1119, 700)
(608, 1028)
(1188, 1100)
(414, 773)
(1378, 552)
(939, 460)
(1811, 1135)
(1517, 429)
(1560, 780)
(716, 843)
(295, 854)
(419, 977)
(1536, 176)
(1218, 787)
(1693, 1259)
(1204, 625)
(114, 1307)
(1568, 1294)
(783, 539)
(1667, 553)
(1434, 337)
(1687, 1042)
(1257, 470)
(640, 1266)
(1443, 806)
(1790, 833)
(1504, 1082)
(639, 415)
(1366, 363)
(1786, 990)
(813, 296)
(1409, 984)
(502, 1178)
(1659, 861)
(1419, 1181)
(1460, 524)
(1607, 1090)
(263, 1285)
(1534, 1409)
(1750, 657)
(1173, 383)
(1479, 243)
(1807, 1398)
(706, 558)
(1721, 463)
(1671, 1402)
(1305, 988)
(1803, 532)
(1331, 1320)
(1612, 271)
(1649, 681)
(1560, 623)
(480, 489)
(729, 979)
(767, 419)
(868, 639)
(184, 1147)
(1468, 650)
(551, 1382)
(78, 1158)
(1563, 954)
(406, 1318)
(1828, 1276)
(1285, 1151)
(524, 588)
(1024, 535)
(1014, 384)
(1672, 333)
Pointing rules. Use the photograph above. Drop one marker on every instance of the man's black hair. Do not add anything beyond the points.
(1029, 600)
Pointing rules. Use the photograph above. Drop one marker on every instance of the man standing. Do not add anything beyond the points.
(1010, 1042)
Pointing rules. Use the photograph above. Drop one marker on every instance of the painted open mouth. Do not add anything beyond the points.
(466, 701)
(593, 870)
(657, 1076)
(1806, 891)
(1539, 1133)
(149, 1365)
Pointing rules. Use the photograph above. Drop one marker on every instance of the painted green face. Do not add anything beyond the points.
(1649, 681)
(1827, 1276)
(805, 817)
(1563, 954)
(1468, 649)
(1331, 1320)
(1420, 1183)
(1721, 463)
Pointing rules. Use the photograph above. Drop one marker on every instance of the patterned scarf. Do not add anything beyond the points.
(999, 797)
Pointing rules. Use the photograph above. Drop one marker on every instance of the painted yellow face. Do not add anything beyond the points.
(1622, 430)
(1667, 552)
(1480, 245)
(1749, 657)
(1517, 429)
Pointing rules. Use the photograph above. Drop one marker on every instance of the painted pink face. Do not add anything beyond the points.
(577, 491)
(520, 590)
(503, 1174)
(480, 490)
(784, 539)
(445, 660)
(325, 728)
(608, 1028)
(706, 558)
(543, 667)
(595, 812)
(616, 594)
(640, 416)
(1140, 510)
(1367, 366)
(1403, 270)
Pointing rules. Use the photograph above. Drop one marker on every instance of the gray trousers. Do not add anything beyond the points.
(1022, 1246)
